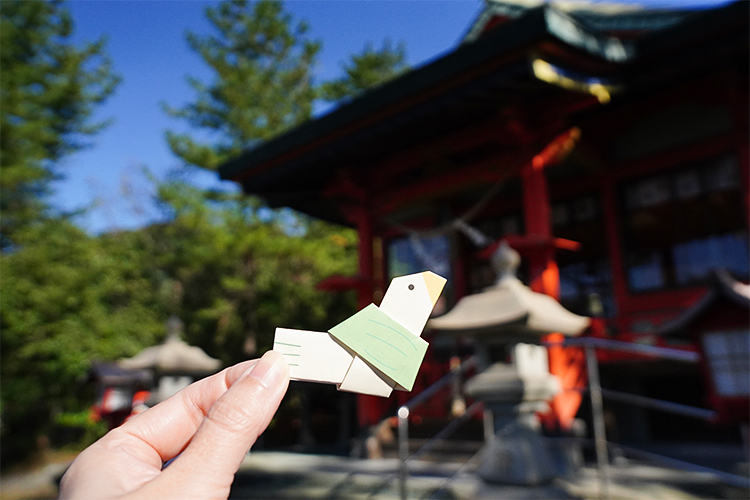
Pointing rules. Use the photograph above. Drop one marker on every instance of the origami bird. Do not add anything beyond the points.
(374, 351)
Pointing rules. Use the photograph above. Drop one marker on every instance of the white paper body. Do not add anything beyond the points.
(312, 356)
(363, 379)
(318, 357)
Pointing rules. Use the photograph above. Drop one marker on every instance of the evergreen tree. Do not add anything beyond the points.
(49, 89)
(262, 85)
(366, 70)
(247, 285)
(66, 299)
(241, 274)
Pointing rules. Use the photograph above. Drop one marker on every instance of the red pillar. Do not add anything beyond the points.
(612, 221)
(366, 257)
(544, 276)
(370, 409)
(744, 160)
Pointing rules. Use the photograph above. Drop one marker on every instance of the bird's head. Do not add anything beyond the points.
(410, 298)
(414, 285)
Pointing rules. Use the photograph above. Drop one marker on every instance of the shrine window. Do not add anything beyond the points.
(414, 254)
(498, 227)
(680, 225)
(585, 275)
(728, 356)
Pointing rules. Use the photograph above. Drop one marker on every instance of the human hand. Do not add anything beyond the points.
(211, 425)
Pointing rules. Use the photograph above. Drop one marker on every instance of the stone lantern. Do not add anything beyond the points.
(509, 313)
(175, 364)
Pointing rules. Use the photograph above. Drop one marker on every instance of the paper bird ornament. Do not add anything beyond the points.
(374, 351)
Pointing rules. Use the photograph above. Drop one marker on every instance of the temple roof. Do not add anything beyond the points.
(723, 287)
(475, 84)
(612, 17)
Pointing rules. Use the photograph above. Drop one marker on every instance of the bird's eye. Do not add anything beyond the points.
(411, 287)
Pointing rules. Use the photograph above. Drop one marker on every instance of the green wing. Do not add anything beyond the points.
(383, 343)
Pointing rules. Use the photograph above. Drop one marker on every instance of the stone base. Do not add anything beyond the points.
(517, 455)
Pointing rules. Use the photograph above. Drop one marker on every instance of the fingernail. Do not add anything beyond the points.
(269, 370)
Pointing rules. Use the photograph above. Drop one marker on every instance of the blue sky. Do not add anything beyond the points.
(147, 44)
(148, 48)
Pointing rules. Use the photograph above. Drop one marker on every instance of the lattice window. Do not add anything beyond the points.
(728, 355)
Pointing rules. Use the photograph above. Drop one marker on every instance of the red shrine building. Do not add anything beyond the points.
(607, 145)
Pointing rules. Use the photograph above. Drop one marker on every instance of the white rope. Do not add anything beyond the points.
(460, 223)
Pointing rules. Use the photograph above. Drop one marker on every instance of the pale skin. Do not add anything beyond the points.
(211, 425)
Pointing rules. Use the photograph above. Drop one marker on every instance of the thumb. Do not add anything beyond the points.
(207, 466)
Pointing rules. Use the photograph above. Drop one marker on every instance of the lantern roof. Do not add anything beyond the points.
(173, 356)
(509, 308)
(113, 375)
(513, 308)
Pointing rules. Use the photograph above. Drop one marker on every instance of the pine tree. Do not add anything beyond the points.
(49, 88)
(262, 85)
(366, 70)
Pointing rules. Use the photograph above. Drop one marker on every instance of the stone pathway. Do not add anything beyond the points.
(37, 483)
(271, 475)
(278, 475)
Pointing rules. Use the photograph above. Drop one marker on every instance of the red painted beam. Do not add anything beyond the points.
(398, 107)
(652, 164)
(466, 138)
(486, 172)
(680, 298)
(684, 155)
(339, 283)
(557, 150)
(528, 244)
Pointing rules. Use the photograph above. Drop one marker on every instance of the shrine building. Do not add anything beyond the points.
(608, 145)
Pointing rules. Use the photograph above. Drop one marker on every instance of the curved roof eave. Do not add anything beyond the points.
(384, 100)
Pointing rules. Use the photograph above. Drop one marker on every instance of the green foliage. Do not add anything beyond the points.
(242, 275)
(262, 86)
(66, 298)
(366, 70)
(81, 426)
(48, 92)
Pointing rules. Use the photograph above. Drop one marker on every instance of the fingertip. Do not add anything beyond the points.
(275, 357)
(278, 358)
(271, 370)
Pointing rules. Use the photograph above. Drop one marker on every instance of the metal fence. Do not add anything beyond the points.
(597, 395)
(403, 422)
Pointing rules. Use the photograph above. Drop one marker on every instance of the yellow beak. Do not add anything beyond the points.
(434, 284)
